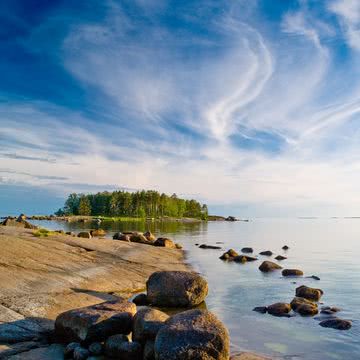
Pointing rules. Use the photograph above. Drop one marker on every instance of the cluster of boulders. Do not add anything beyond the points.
(122, 330)
(146, 238)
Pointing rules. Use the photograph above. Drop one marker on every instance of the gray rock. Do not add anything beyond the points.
(190, 335)
(80, 353)
(69, 350)
(96, 348)
(268, 266)
(97, 322)
(285, 247)
(140, 300)
(119, 347)
(149, 351)
(176, 289)
(53, 352)
(147, 323)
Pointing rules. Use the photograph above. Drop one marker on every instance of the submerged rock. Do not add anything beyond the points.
(268, 266)
(279, 309)
(176, 289)
(96, 322)
(292, 272)
(80, 353)
(309, 293)
(285, 247)
(336, 323)
(205, 246)
(260, 309)
(96, 348)
(69, 350)
(193, 334)
(313, 277)
(247, 250)
(329, 310)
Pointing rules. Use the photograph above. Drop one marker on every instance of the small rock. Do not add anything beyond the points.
(244, 258)
(96, 348)
(313, 277)
(268, 266)
(336, 323)
(84, 234)
(229, 254)
(178, 246)
(304, 307)
(176, 289)
(285, 247)
(309, 293)
(247, 250)
(260, 309)
(119, 347)
(329, 310)
(292, 272)
(80, 353)
(279, 309)
(266, 253)
(147, 323)
(140, 300)
(122, 237)
(69, 350)
(205, 246)
(280, 257)
(165, 242)
(193, 334)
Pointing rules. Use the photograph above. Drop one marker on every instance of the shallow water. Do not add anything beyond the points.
(328, 248)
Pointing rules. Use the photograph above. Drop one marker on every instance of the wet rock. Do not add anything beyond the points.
(96, 322)
(98, 232)
(285, 247)
(304, 307)
(336, 323)
(225, 256)
(178, 246)
(231, 218)
(193, 334)
(147, 323)
(244, 258)
(280, 257)
(84, 234)
(121, 236)
(266, 253)
(231, 253)
(119, 347)
(260, 309)
(205, 246)
(80, 353)
(313, 277)
(165, 242)
(247, 250)
(149, 351)
(96, 348)
(141, 239)
(140, 300)
(292, 272)
(151, 237)
(268, 266)
(71, 233)
(69, 350)
(309, 293)
(279, 309)
(176, 289)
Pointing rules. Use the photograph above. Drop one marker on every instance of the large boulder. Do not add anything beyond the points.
(304, 307)
(119, 347)
(147, 323)
(268, 266)
(98, 232)
(292, 272)
(309, 293)
(279, 309)
(151, 237)
(165, 242)
(96, 322)
(192, 335)
(176, 289)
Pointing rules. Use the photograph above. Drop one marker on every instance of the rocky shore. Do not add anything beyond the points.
(84, 298)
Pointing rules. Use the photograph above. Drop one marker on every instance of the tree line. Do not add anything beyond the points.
(139, 204)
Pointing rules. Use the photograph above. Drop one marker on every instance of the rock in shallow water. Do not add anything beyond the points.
(279, 309)
(119, 347)
(280, 257)
(165, 242)
(97, 322)
(268, 266)
(176, 289)
(193, 334)
(247, 250)
(266, 253)
(292, 272)
(336, 323)
(244, 258)
(309, 293)
(260, 309)
(304, 307)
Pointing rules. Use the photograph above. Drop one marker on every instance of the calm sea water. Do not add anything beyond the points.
(328, 248)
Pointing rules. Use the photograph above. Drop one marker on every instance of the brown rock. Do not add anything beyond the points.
(280, 257)
(151, 237)
(304, 307)
(244, 258)
(266, 253)
(247, 250)
(292, 272)
(338, 324)
(84, 234)
(140, 238)
(98, 232)
(165, 242)
(119, 347)
(279, 309)
(309, 293)
(268, 266)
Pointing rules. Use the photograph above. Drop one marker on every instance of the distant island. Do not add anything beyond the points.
(139, 204)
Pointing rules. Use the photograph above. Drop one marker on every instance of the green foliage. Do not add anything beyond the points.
(140, 204)
(42, 233)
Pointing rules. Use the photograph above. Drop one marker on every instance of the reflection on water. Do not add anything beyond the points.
(329, 249)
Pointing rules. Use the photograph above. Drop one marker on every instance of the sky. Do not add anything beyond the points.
(251, 106)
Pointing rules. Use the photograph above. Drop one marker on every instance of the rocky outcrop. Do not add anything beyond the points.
(121, 236)
(140, 238)
(95, 323)
(151, 237)
(20, 222)
(231, 253)
(309, 293)
(268, 266)
(176, 289)
(193, 334)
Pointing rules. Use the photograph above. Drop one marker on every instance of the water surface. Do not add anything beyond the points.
(328, 248)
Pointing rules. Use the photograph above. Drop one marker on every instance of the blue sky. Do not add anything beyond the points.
(251, 106)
